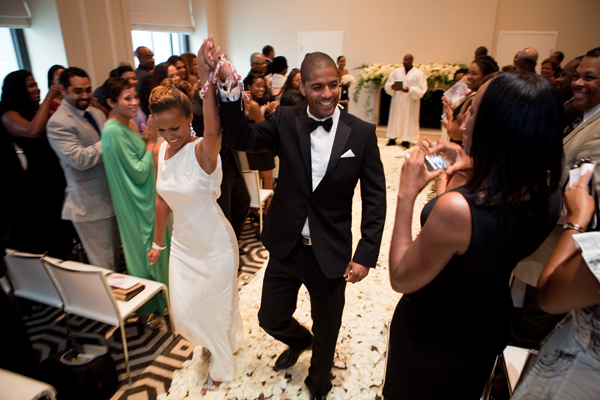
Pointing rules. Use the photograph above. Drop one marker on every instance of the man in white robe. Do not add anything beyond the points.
(403, 122)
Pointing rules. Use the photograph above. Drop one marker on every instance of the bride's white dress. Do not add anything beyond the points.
(204, 259)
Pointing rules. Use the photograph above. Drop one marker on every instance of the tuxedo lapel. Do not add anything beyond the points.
(339, 144)
(304, 141)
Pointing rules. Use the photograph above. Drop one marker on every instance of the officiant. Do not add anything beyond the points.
(406, 85)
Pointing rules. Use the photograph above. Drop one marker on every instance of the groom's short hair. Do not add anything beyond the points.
(314, 61)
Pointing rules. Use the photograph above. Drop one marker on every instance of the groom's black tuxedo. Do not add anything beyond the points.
(329, 207)
(320, 267)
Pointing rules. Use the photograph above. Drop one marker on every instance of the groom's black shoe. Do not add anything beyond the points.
(314, 396)
(289, 358)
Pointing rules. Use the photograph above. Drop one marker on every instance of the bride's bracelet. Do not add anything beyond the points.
(157, 247)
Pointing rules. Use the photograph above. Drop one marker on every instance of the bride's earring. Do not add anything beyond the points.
(192, 131)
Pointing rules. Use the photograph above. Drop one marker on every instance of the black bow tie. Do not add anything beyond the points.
(314, 124)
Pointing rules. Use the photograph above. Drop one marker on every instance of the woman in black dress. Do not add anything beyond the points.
(454, 316)
(24, 120)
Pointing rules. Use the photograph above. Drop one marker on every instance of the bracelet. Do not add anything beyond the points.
(570, 225)
(157, 247)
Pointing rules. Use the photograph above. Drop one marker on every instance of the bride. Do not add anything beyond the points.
(204, 253)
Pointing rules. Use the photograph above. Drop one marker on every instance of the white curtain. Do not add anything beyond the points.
(161, 15)
(14, 14)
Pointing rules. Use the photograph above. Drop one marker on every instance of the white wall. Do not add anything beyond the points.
(376, 31)
(575, 20)
(44, 40)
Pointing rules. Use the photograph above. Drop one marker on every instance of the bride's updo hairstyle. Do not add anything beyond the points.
(167, 97)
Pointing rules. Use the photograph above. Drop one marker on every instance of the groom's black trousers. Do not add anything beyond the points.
(283, 279)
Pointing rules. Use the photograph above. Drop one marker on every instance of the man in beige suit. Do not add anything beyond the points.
(582, 139)
(74, 134)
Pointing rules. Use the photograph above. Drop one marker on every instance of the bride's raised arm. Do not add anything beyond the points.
(207, 152)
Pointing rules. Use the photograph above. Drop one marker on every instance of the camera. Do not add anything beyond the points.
(436, 161)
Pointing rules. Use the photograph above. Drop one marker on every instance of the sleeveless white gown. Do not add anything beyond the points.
(204, 259)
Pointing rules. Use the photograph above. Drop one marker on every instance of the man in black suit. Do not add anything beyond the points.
(323, 152)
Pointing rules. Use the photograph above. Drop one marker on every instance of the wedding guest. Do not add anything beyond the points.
(126, 72)
(279, 77)
(581, 139)
(258, 65)
(559, 56)
(204, 253)
(481, 51)
(144, 75)
(180, 66)
(549, 69)
(263, 161)
(74, 135)
(568, 365)
(53, 76)
(24, 120)
(291, 95)
(509, 205)
(163, 71)
(269, 52)
(406, 102)
(480, 69)
(459, 74)
(131, 179)
(344, 87)
(527, 60)
(564, 87)
(191, 65)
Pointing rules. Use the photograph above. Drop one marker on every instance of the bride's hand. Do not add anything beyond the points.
(153, 255)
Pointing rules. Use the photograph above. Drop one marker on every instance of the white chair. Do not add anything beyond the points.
(86, 293)
(29, 278)
(258, 196)
(19, 387)
(243, 160)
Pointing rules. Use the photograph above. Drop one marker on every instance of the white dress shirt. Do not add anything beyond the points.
(321, 144)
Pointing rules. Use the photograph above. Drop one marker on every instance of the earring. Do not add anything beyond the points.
(192, 131)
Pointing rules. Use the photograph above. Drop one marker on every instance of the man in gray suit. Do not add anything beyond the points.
(581, 140)
(74, 134)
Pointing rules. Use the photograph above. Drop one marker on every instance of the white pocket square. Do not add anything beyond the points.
(348, 154)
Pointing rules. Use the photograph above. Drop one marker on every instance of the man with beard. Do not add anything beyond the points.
(74, 134)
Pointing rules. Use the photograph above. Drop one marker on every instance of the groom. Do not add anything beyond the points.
(324, 152)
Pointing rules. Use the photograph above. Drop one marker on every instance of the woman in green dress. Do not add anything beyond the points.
(132, 182)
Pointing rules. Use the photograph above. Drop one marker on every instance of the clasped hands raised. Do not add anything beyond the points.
(208, 57)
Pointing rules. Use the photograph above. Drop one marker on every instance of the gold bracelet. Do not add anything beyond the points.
(570, 225)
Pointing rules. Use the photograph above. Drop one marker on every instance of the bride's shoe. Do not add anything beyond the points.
(210, 386)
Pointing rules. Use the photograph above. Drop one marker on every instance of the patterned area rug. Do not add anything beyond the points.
(153, 354)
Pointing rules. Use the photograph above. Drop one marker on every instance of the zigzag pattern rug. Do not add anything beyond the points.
(153, 354)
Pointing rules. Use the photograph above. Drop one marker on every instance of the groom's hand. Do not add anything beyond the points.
(355, 272)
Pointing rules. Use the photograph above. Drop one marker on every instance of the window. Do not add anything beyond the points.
(162, 44)
(13, 54)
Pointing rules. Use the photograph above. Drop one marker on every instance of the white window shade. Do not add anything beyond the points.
(160, 15)
(15, 14)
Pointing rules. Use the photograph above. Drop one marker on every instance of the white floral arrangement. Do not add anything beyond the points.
(374, 76)
(348, 80)
(439, 76)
